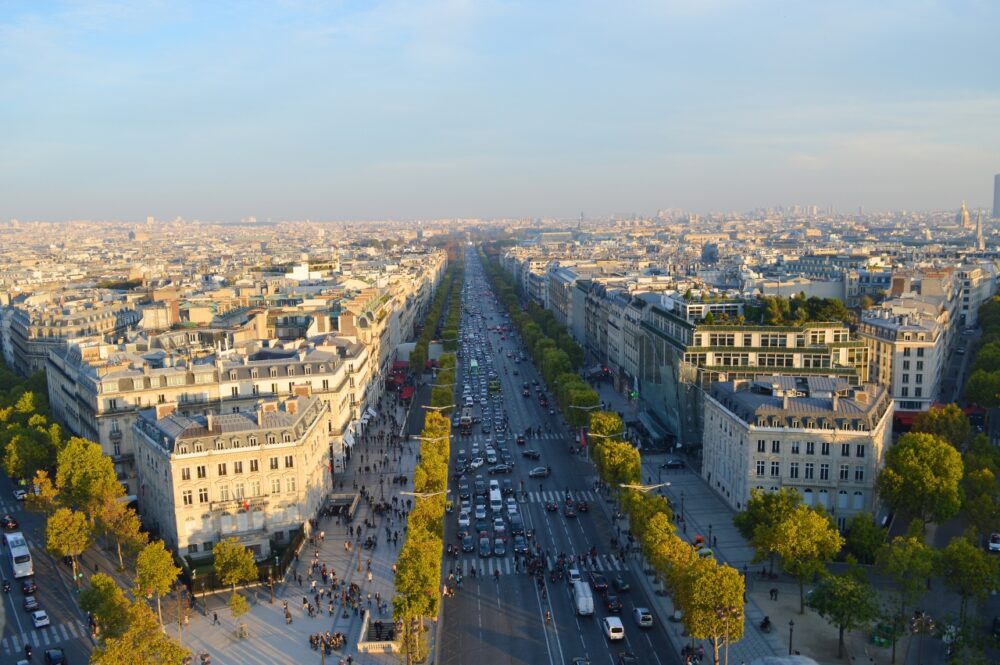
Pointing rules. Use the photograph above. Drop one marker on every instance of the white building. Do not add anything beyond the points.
(907, 353)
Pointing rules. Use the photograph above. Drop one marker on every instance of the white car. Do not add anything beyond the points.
(40, 618)
(512, 508)
(491, 456)
(480, 511)
(994, 544)
(476, 463)
(464, 521)
(643, 617)
(20, 495)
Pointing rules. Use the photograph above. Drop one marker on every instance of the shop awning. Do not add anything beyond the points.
(655, 431)
(406, 393)
(372, 412)
(906, 418)
(400, 364)
(348, 439)
(397, 379)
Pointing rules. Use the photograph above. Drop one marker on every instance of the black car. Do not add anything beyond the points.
(627, 658)
(30, 603)
(500, 468)
(28, 587)
(539, 472)
(55, 657)
(613, 604)
(673, 463)
(598, 582)
(531, 453)
(521, 440)
(506, 487)
(520, 545)
(516, 524)
(9, 523)
(468, 543)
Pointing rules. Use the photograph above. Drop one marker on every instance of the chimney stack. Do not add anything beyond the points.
(164, 410)
(211, 421)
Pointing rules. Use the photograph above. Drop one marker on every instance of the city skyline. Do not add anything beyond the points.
(299, 110)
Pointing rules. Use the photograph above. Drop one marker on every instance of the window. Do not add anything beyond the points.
(193, 548)
(859, 474)
(223, 492)
(810, 448)
(920, 353)
(824, 471)
(255, 488)
(207, 545)
(251, 441)
(825, 448)
(906, 365)
(920, 365)
(793, 470)
(202, 495)
(222, 469)
(795, 447)
(326, 384)
(201, 471)
(255, 389)
(185, 474)
(845, 472)
(235, 391)
(906, 378)
(761, 446)
(274, 463)
(271, 439)
(775, 469)
(238, 491)
(904, 391)
(810, 467)
(273, 372)
(859, 450)
(919, 378)
(289, 461)
(845, 450)
(286, 437)
(776, 447)
(254, 466)
(275, 486)
(117, 446)
(842, 499)
(906, 353)
(290, 484)
(859, 500)
(760, 467)
(188, 497)
(918, 392)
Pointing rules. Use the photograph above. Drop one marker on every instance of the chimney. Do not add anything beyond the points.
(835, 401)
(291, 406)
(304, 390)
(211, 421)
(302, 355)
(860, 396)
(785, 402)
(164, 410)
(260, 417)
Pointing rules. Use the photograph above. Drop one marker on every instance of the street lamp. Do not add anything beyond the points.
(437, 408)
(430, 438)
(682, 505)
(791, 630)
(424, 495)
(642, 488)
(709, 535)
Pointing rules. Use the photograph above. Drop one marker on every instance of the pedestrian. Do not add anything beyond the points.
(369, 577)
(774, 593)
(215, 618)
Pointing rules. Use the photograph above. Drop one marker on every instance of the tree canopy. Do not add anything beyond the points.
(921, 477)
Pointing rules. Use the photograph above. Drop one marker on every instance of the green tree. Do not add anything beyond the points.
(618, 463)
(864, 538)
(763, 511)
(846, 601)
(68, 533)
(581, 403)
(983, 388)
(238, 606)
(805, 541)
(948, 422)
(981, 500)
(107, 602)
(712, 608)
(28, 451)
(234, 563)
(144, 642)
(46, 500)
(967, 570)
(909, 563)
(86, 477)
(121, 523)
(921, 478)
(155, 573)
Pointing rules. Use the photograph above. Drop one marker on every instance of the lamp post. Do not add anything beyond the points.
(709, 543)
(682, 505)
(791, 630)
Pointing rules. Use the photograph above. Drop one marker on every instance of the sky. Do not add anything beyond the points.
(340, 110)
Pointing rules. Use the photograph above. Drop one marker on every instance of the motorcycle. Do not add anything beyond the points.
(6, 586)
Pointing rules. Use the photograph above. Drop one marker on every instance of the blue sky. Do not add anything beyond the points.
(298, 109)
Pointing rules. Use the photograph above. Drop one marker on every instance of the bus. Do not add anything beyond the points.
(474, 367)
(20, 557)
(465, 422)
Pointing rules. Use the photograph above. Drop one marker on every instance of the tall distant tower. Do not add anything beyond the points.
(980, 240)
(962, 218)
(996, 196)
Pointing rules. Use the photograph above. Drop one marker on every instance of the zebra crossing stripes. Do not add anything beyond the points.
(487, 566)
(558, 497)
(43, 637)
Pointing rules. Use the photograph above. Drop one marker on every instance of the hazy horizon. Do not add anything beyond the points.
(302, 109)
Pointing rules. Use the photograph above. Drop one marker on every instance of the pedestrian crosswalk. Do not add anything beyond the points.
(43, 637)
(558, 497)
(506, 438)
(488, 566)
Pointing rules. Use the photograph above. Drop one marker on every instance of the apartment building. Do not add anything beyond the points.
(817, 435)
(257, 475)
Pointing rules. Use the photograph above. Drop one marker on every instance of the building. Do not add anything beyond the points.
(256, 475)
(816, 435)
(962, 217)
(996, 196)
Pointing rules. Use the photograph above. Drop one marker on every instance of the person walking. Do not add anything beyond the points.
(215, 619)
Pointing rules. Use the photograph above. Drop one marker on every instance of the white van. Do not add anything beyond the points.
(583, 598)
(496, 503)
(613, 628)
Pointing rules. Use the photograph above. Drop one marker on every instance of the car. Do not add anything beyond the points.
(613, 628)
(579, 660)
(621, 584)
(499, 547)
(480, 511)
(491, 456)
(613, 604)
(627, 658)
(598, 582)
(464, 520)
(468, 543)
(521, 441)
(994, 543)
(20, 494)
(520, 545)
(531, 453)
(539, 472)
(485, 549)
(499, 527)
(573, 576)
(480, 488)
(476, 463)
(28, 587)
(463, 491)
(506, 487)
(643, 617)
(9, 523)
(552, 412)
(515, 372)
(485, 429)
(456, 420)
(482, 524)
(500, 468)
(516, 523)
(512, 508)
(55, 656)
(551, 506)
(39, 618)
(569, 510)
(673, 463)
(583, 506)
(526, 392)
(30, 603)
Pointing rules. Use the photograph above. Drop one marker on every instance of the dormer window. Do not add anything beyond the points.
(198, 448)
(253, 374)
(271, 439)
(308, 369)
(251, 441)
(274, 372)
(182, 450)
(232, 375)
(219, 445)
(291, 371)
(286, 437)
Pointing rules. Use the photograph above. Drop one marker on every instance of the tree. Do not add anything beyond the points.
(948, 422)
(606, 425)
(908, 562)
(921, 478)
(713, 604)
(805, 541)
(121, 523)
(618, 463)
(68, 533)
(144, 642)
(581, 403)
(238, 606)
(27, 452)
(864, 538)
(967, 570)
(763, 511)
(86, 477)
(45, 498)
(155, 573)
(234, 563)
(981, 503)
(107, 602)
(983, 388)
(846, 601)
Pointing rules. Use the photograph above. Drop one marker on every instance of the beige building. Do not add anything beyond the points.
(817, 435)
(256, 475)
